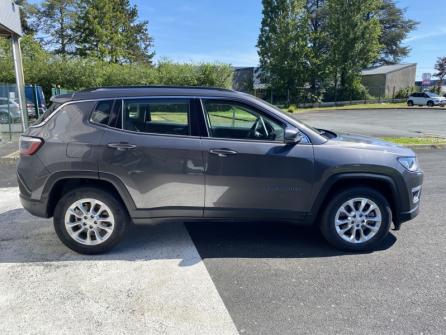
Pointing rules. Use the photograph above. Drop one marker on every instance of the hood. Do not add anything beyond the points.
(370, 143)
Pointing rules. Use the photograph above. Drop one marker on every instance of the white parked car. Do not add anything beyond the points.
(426, 99)
(9, 110)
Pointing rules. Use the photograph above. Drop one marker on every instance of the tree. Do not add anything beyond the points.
(353, 31)
(440, 66)
(283, 45)
(395, 29)
(28, 13)
(318, 44)
(108, 30)
(57, 19)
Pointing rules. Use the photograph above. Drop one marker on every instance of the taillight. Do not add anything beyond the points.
(29, 145)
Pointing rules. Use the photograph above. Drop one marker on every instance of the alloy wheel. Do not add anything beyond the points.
(89, 221)
(358, 220)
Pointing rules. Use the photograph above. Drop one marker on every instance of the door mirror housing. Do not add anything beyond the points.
(292, 136)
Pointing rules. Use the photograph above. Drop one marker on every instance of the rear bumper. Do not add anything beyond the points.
(35, 207)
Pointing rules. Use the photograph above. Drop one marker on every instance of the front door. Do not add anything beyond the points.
(250, 171)
(149, 147)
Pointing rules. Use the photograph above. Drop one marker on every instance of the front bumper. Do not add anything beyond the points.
(411, 206)
(407, 216)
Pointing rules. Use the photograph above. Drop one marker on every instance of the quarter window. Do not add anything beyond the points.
(161, 116)
(237, 121)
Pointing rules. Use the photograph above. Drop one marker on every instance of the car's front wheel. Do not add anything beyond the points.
(357, 219)
(89, 220)
(430, 104)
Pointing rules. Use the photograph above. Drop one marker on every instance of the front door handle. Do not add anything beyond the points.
(121, 146)
(222, 152)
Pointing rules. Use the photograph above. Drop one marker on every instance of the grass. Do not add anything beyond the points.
(294, 109)
(416, 140)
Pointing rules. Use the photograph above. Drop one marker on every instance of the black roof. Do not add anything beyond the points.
(141, 91)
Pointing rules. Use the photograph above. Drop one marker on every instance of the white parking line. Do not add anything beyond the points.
(153, 283)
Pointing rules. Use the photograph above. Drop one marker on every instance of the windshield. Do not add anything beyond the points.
(432, 95)
(288, 114)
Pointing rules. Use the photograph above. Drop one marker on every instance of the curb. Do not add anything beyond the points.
(11, 158)
(371, 108)
(426, 146)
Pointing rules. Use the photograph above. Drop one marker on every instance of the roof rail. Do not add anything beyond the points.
(155, 86)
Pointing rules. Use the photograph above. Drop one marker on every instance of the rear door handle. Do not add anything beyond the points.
(121, 146)
(222, 152)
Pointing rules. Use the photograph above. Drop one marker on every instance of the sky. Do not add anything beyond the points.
(227, 30)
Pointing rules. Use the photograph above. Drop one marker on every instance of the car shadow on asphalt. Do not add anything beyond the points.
(27, 239)
(264, 240)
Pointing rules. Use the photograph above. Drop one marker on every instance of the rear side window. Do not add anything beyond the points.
(48, 112)
(102, 111)
(159, 116)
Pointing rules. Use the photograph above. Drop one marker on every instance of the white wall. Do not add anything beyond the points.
(10, 17)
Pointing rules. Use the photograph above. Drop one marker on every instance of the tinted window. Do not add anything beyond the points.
(234, 120)
(102, 111)
(116, 115)
(48, 112)
(161, 116)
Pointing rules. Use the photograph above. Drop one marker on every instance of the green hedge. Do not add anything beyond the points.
(76, 73)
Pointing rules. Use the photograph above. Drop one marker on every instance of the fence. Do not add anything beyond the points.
(14, 118)
(304, 97)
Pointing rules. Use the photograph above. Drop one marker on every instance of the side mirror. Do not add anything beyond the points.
(292, 136)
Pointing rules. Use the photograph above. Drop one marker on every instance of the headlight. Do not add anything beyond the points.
(409, 163)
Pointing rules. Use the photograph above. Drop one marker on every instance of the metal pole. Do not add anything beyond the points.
(36, 100)
(20, 81)
(9, 118)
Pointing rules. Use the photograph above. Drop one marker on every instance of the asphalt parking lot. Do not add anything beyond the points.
(380, 122)
(279, 279)
(229, 278)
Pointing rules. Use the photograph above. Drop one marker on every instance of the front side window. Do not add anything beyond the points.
(101, 113)
(160, 116)
(233, 120)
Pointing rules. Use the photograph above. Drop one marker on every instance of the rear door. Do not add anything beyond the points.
(149, 147)
(250, 171)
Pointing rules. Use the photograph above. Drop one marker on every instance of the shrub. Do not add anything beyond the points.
(74, 73)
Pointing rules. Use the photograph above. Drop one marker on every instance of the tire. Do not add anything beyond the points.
(329, 228)
(4, 118)
(112, 219)
(410, 103)
(430, 104)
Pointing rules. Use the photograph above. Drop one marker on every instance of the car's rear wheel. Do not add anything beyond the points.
(4, 118)
(90, 221)
(430, 104)
(357, 219)
(410, 103)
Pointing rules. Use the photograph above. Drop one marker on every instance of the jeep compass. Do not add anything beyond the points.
(101, 159)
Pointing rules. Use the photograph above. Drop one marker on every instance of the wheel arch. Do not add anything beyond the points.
(64, 183)
(337, 183)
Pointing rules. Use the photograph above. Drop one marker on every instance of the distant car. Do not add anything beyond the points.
(426, 99)
(30, 100)
(9, 113)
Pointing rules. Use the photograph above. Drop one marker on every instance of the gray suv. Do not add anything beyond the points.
(103, 158)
